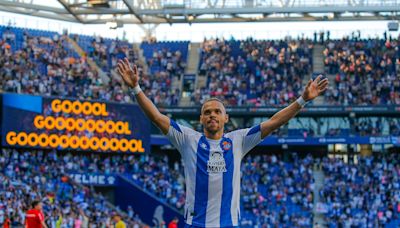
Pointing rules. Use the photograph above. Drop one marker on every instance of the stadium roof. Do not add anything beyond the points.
(199, 11)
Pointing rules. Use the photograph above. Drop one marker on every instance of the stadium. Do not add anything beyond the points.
(171, 113)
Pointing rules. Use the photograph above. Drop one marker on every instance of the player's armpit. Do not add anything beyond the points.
(252, 137)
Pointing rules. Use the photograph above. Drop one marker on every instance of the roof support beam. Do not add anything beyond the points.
(272, 10)
(160, 11)
(60, 17)
(70, 10)
(131, 9)
(32, 6)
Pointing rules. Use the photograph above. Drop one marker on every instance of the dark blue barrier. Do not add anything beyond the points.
(331, 140)
(332, 110)
(312, 141)
(151, 210)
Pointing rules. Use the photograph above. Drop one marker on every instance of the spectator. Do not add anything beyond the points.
(7, 222)
(35, 216)
(173, 223)
(118, 222)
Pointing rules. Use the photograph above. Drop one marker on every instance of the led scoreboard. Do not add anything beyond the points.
(42, 122)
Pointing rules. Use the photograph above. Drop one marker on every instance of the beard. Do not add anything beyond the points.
(212, 129)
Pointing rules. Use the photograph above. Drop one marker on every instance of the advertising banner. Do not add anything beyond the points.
(95, 179)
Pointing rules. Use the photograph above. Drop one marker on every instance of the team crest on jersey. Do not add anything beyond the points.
(226, 145)
(216, 163)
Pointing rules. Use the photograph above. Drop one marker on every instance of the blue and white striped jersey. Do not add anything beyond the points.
(212, 173)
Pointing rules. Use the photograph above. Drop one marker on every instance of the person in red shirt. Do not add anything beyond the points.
(34, 217)
(7, 222)
(173, 223)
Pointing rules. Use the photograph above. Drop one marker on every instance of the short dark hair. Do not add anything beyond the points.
(211, 99)
(35, 203)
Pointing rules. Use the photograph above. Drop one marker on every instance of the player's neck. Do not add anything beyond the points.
(214, 135)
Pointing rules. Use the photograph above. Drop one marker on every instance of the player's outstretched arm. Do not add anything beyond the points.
(131, 78)
(312, 90)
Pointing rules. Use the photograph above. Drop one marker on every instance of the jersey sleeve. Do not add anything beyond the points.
(250, 138)
(40, 216)
(178, 135)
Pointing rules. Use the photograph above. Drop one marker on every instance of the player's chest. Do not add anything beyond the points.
(214, 157)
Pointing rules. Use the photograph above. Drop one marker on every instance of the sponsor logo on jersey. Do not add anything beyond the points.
(216, 163)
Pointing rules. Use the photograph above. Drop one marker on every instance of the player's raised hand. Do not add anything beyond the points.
(315, 88)
(129, 75)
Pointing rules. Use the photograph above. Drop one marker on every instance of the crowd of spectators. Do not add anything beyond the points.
(283, 184)
(270, 187)
(274, 193)
(366, 194)
(167, 62)
(37, 175)
(240, 72)
(150, 172)
(155, 82)
(48, 65)
(278, 193)
(377, 126)
(394, 127)
(367, 71)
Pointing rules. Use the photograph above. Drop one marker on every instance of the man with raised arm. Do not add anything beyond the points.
(212, 158)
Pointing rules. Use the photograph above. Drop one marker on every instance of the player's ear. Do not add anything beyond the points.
(226, 118)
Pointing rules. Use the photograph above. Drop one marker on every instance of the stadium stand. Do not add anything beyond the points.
(275, 193)
(33, 175)
(239, 72)
(167, 62)
(167, 57)
(364, 194)
(270, 186)
(39, 62)
(366, 71)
